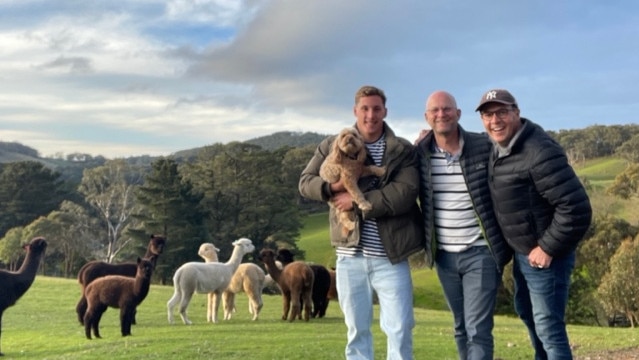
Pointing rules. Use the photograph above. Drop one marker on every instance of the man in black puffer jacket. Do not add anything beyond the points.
(543, 211)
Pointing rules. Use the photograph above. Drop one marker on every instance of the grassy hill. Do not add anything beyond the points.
(601, 172)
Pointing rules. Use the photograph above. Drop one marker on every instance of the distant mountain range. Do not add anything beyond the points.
(268, 142)
(73, 164)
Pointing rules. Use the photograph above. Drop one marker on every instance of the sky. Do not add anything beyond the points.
(149, 77)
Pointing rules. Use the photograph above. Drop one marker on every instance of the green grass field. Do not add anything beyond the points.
(602, 169)
(43, 325)
(601, 173)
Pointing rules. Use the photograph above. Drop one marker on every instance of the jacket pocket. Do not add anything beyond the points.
(337, 237)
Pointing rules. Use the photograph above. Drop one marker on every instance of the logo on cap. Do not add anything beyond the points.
(491, 95)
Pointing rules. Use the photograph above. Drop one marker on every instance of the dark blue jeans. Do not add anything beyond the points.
(541, 296)
(470, 280)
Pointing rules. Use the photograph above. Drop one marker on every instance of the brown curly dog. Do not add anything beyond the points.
(346, 161)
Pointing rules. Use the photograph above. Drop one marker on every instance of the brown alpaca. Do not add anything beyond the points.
(117, 291)
(346, 162)
(96, 269)
(295, 281)
(321, 282)
(14, 284)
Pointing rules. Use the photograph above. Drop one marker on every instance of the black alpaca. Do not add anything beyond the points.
(96, 269)
(117, 291)
(321, 284)
(14, 284)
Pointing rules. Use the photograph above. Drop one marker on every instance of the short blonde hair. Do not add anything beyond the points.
(367, 90)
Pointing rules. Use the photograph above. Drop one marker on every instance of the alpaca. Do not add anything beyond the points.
(285, 256)
(14, 284)
(321, 286)
(270, 286)
(117, 291)
(208, 252)
(321, 283)
(248, 278)
(96, 269)
(296, 283)
(205, 278)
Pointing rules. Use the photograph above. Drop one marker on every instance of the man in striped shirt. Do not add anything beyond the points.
(462, 235)
(374, 256)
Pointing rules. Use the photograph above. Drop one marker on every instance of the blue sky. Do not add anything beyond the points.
(137, 77)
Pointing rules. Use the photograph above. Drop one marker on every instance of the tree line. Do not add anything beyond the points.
(229, 191)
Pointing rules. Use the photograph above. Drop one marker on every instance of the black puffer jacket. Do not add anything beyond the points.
(474, 164)
(537, 196)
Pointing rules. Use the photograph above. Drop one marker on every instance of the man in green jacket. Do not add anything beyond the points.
(376, 258)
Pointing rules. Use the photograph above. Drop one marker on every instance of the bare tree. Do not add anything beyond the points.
(109, 190)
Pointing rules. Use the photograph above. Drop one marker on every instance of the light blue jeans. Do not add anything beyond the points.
(541, 297)
(470, 280)
(356, 279)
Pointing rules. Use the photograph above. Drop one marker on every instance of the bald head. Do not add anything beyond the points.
(442, 114)
(441, 96)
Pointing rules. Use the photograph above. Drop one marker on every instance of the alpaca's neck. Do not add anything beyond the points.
(236, 258)
(273, 270)
(141, 287)
(150, 255)
(26, 274)
(153, 258)
(30, 265)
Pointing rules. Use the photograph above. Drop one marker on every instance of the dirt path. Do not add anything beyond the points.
(623, 354)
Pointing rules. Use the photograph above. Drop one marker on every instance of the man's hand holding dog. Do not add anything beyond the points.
(338, 187)
(343, 201)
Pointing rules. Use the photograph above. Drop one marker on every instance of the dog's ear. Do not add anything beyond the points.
(361, 155)
(337, 153)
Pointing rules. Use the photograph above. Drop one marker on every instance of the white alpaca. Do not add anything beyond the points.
(205, 278)
(248, 278)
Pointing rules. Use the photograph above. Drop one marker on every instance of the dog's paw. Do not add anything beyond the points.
(365, 206)
(349, 225)
(345, 231)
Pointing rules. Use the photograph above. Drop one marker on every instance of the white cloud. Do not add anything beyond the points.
(148, 76)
